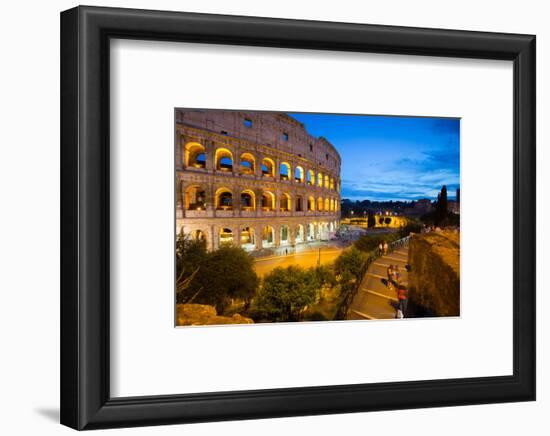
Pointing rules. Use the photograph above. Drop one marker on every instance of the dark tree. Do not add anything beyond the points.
(286, 292)
(371, 220)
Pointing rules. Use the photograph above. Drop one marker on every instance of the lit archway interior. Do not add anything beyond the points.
(195, 155)
(224, 199)
(248, 164)
(224, 160)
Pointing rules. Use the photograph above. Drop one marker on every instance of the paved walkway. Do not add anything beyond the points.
(374, 300)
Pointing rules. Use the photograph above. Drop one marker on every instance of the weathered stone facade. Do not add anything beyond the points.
(257, 179)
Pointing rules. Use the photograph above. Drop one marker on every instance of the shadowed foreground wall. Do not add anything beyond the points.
(434, 279)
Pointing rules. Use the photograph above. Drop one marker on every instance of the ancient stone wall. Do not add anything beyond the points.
(257, 179)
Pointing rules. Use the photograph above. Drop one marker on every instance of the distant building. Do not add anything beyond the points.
(453, 206)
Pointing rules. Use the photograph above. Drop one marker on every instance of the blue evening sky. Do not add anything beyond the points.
(391, 158)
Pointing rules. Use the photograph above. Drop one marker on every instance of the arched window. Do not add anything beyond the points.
(268, 201)
(268, 167)
(311, 204)
(284, 171)
(195, 155)
(319, 180)
(267, 236)
(327, 205)
(331, 184)
(310, 177)
(224, 199)
(327, 184)
(299, 233)
(195, 198)
(248, 164)
(247, 236)
(298, 205)
(224, 160)
(284, 235)
(299, 174)
(248, 200)
(198, 235)
(320, 204)
(226, 236)
(285, 202)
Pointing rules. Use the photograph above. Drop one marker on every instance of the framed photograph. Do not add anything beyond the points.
(267, 218)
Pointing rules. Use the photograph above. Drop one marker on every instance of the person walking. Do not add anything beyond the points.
(397, 275)
(385, 248)
(402, 297)
(380, 249)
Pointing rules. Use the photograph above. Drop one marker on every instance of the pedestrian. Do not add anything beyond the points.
(402, 297)
(385, 248)
(380, 249)
(389, 272)
(397, 275)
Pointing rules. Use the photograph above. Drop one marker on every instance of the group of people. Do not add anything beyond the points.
(394, 282)
(383, 248)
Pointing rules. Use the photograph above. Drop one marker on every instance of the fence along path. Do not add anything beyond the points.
(374, 300)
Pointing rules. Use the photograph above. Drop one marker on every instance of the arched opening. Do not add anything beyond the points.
(299, 206)
(195, 155)
(268, 201)
(311, 231)
(248, 200)
(247, 238)
(226, 236)
(268, 167)
(195, 198)
(327, 205)
(248, 164)
(320, 204)
(285, 237)
(319, 180)
(299, 174)
(198, 235)
(284, 171)
(267, 236)
(224, 199)
(310, 177)
(326, 181)
(285, 202)
(224, 159)
(311, 204)
(299, 233)
(331, 184)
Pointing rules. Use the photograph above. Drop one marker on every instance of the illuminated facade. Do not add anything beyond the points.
(256, 179)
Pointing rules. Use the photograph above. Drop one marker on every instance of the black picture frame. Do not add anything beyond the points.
(85, 399)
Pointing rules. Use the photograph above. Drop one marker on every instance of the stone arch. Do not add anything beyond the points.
(299, 174)
(311, 204)
(320, 179)
(248, 200)
(320, 204)
(268, 236)
(284, 171)
(284, 234)
(223, 159)
(310, 177)
(226, 236)
(268, 167)
(285, 203)
(224, 199)
(332, 183)
(247, 163)
(326, 207)
(195, 197)
(248, 238)
(300, 236)
(195, 155)
(198, 235)
(327, 183)
(268, 201)
(299, 203)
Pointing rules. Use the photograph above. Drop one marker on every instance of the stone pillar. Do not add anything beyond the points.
(210, 155)
(180, 144)
(258, 237)
(277, 236)
(213, 237)
(180, 199)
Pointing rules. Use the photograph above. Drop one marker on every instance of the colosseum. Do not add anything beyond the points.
(257, 179)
